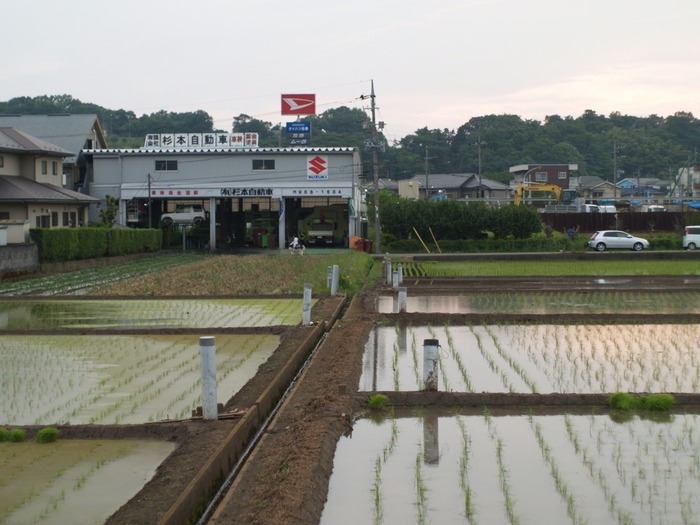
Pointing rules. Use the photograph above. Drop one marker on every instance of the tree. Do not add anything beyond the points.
(108, 214)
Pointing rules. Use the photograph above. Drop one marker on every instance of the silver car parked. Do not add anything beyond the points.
(611, 239)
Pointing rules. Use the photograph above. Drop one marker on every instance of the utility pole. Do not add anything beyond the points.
(615, 150)
(427, 172)
(375, 185)
(149, 202)
(479, 143)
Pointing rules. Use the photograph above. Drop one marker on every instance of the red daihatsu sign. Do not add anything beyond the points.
(298, 104)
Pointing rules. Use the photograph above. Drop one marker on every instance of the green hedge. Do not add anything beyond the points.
(536, 243)
(67, 244)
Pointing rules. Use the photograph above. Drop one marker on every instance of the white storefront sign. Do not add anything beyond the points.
(201, 140)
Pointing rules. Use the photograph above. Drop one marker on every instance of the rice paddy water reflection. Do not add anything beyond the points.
(537, 358)
(517, 469)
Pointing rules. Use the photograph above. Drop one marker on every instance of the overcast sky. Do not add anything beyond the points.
(434, 63)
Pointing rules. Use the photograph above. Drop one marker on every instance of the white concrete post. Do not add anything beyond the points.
(430, 364)
(399, 268)
(212, 223)
(388, 272)
(335, 279)
(329, 276)
(395, 280)
(306, 309)
(207, 358)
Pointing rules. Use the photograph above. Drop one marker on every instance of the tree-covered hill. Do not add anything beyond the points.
(652, 146)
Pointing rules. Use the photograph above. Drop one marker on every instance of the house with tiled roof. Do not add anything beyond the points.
(458, 186)
(73, 133)
(30, 183)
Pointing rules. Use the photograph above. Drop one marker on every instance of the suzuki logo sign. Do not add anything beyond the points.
(317, 168)
(298, 104)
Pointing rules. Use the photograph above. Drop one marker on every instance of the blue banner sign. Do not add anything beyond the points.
(298, 127)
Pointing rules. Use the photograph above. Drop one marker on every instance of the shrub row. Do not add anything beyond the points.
(17, 435)
(67, 244)
(626, 401)
(533, 244)
(536, 243)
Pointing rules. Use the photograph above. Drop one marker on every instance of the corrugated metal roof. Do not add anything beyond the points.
(12, 139)
(219, 151)
(13, 188)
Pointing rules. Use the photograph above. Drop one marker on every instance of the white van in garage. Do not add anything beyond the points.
(691, 237)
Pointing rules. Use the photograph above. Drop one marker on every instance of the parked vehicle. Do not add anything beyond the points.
(185, 214)
(691, 237)
(616, 239)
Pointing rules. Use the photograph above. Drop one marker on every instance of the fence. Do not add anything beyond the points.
(670, 222)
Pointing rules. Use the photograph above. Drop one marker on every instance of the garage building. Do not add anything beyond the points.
(254, 196)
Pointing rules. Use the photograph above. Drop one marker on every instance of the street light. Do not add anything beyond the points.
(529, 186)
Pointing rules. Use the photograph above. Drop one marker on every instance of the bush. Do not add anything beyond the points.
(622, 401)
(47, 435)
(4, 435)
(17, 435)
(377, 401)
(656, 402)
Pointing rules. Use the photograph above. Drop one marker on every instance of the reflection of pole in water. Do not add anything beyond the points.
(431, 440)
(375, 359)
(403, 336)
(400, 300)
(430, 364)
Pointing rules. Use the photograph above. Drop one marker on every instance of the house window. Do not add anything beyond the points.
(2, 161)
(561, 175)
(4, 215)
(65, 219)
(54, 219)
(166, 165)
(541, 176)
(54, 168)
(263, 164)
(44, 167)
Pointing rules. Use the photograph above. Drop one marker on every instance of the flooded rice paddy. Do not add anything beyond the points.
(537, 358)
(131, 314)
(544, 470)
(570, 302)
(73, 481)
(111, 379)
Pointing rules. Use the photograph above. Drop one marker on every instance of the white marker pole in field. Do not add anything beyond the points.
(335, 280)
(430, 364)
(207, 358)
(306, 307)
